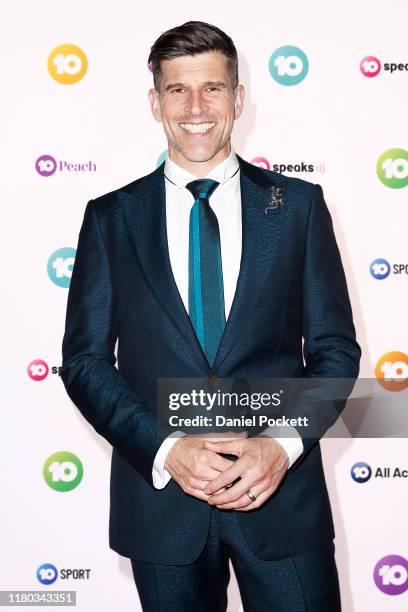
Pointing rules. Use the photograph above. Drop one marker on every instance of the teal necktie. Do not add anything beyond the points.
(205, 281)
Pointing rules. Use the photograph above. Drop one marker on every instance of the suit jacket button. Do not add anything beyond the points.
(213, 379)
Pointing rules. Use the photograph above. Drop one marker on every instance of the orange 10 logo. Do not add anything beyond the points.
(392, 371)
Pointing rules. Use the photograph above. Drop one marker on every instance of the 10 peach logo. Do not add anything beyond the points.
(392, 168)
(67, 64)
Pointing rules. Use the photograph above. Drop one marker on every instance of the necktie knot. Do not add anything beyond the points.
(202, 188)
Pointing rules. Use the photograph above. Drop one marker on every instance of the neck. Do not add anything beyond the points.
(200, 169)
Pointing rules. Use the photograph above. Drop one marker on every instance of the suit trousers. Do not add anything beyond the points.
(305, 582)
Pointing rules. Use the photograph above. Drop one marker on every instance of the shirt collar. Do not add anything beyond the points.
(221, 173)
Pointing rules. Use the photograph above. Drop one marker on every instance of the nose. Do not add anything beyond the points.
(196, 103)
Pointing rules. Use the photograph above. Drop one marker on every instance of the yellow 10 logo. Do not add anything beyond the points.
(67, 64)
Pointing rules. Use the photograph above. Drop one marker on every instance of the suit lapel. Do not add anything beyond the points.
(143, 203)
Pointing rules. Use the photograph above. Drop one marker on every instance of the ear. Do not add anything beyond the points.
(155, 104)
(239, 100)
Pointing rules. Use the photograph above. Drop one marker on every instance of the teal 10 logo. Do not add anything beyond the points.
(392, 168)
(59, 266)
(288, 65)
(63, 471)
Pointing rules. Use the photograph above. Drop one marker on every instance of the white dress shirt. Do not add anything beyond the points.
(226, 204)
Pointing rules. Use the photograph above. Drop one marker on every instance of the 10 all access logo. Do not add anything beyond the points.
(392, 168)
(288, 65)
(361, 472)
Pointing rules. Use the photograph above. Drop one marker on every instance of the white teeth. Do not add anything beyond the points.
(197, 128)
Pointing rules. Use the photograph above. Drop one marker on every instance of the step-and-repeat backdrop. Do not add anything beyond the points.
(326, 101)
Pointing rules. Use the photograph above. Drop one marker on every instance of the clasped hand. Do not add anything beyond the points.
(196, 465)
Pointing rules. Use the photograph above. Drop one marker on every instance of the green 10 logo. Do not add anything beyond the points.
(63, 471)
(392, 168)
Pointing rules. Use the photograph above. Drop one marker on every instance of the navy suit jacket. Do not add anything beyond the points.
(291, 284)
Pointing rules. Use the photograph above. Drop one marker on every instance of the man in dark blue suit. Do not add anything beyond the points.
(160, 269)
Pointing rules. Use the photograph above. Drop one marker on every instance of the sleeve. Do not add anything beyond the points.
(293, 445)
(331, 352)
(160, 475)
(88, 371)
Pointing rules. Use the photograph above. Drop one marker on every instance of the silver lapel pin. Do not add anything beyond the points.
(276, 198)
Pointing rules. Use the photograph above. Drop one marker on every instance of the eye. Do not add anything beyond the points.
(212, 87)
(177, 90)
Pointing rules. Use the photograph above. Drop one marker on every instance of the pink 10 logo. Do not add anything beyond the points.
(261, 162)
(370, 66)
(37, 369)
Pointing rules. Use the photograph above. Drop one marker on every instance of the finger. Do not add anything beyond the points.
(237, 490)
(196, 483)
(236, 470)
(219, 463)
(226, 446)
(203, 472)
(245, 503)
(199, 493)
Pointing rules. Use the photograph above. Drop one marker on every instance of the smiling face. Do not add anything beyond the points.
(197, 106)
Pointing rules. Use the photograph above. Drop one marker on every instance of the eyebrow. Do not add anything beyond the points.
(213, 83)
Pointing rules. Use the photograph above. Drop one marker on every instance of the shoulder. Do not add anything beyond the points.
(110, 200)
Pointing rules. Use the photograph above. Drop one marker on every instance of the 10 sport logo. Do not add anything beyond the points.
(392, 168)
(380, 269)
(47, 573)
(288, 65)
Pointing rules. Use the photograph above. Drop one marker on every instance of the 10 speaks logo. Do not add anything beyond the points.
(60, 265)
(391, 575)
(392, 168)
(63, 471)
(67, 64)
(288, 65)
(361, 472)
(392, 371)
(370, 66)
(37, 369)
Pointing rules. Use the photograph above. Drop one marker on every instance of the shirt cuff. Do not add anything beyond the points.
(293, 446)
(160, 475)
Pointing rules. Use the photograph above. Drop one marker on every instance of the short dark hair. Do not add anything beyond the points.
(189, 39)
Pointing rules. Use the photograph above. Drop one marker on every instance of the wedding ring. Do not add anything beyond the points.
(251, 495)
